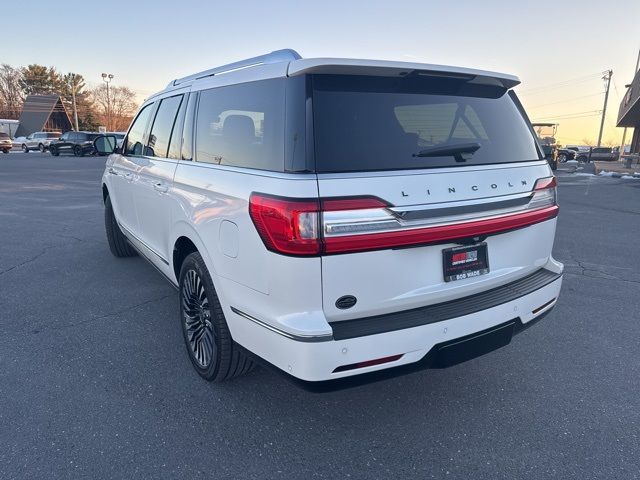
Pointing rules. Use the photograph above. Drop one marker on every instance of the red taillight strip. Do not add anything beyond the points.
(437, 234)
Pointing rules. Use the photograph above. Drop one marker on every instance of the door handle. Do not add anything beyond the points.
(160, 187)
(112, 171)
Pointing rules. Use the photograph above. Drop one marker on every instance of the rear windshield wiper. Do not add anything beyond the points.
(460, 151)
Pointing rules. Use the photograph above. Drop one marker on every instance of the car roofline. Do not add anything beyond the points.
(296, 65)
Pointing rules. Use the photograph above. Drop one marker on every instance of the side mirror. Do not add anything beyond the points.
(105, 144)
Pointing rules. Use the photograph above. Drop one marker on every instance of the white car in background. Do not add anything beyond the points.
(39, 141)
(336, 217)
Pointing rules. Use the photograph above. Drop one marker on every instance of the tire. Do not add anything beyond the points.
(118, 243)
(54, 151)
(562, 158)
(5, 151)
(211, 349)
(25, 149)
(582, 159)
(41, 148)
(77, 151)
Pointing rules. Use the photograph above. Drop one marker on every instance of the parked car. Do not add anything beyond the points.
(565, 154)
(76, 143)
(599, 154)
(39, 141)
(335, 217)
(5, 142)
(18, 141)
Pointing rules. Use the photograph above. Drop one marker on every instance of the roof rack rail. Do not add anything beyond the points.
(276, 56)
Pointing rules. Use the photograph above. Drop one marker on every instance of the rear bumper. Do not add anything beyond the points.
(422, 344)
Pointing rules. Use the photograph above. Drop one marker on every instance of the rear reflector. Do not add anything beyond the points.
(368, 363)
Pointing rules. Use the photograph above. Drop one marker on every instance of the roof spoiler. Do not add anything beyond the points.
(285, 55)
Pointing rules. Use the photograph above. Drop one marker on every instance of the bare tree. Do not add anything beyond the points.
(588, 142)
(121, 102)
(11, 92)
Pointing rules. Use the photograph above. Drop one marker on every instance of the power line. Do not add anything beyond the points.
(585, 113)
(563, 83)
(565, 101)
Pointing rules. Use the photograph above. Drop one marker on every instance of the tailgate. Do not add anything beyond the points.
(391, 278)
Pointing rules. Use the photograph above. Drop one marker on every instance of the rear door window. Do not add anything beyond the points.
(135, 137)
(364, 123)
(160, 135)
(242, 125)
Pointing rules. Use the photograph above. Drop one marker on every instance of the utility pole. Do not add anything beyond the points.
(73, 96)
(624, 132)
(607, 78)
(106, 78)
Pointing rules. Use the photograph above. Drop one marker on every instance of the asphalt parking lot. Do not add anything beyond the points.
(95, 382)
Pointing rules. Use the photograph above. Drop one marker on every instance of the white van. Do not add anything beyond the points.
(336, 217)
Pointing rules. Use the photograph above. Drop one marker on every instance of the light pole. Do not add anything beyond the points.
(106, 78)
(74, 86)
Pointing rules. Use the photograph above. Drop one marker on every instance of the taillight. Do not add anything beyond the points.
(325, 226)
(289, 226)
(544, 193)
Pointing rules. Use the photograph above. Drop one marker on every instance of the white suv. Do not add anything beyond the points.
(336, 217)
(39, 141)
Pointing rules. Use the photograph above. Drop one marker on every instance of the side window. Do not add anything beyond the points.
(135, 141)
(187, 133)
(73, 137)
(242, 125)
(163, 126)
(176, 133)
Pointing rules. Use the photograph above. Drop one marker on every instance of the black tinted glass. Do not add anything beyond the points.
(366, 123)
(242, 125)
(135, 142)
(163, 126)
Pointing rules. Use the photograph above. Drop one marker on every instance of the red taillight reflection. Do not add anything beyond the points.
(368, 363)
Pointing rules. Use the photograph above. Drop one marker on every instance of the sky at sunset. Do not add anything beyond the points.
(558, 49)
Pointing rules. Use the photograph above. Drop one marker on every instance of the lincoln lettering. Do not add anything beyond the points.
(475, 188)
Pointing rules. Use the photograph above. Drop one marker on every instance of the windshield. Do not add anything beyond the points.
(364, 123)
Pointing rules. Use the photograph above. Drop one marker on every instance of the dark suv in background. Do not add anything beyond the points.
(599, 154)
(77, 143)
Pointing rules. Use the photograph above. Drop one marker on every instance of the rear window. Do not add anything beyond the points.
(364, 123)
